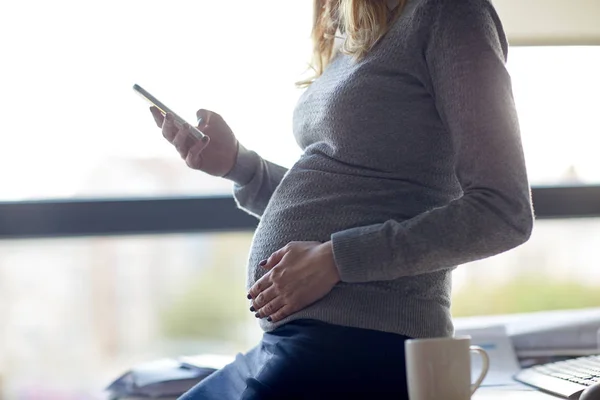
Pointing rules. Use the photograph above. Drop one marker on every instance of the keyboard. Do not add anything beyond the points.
(566, 379)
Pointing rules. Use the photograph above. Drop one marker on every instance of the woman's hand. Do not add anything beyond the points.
(299, 274)
(215, 155)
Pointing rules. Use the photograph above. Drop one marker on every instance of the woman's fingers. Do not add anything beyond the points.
(268, 297)
(158, 116)
(267, 303)
(188, 147)
(298, 275)
(259, 286)
(194, 156)
(276, 257)
(183, 141)
(264, 298)
(169, 129)
(281, 313)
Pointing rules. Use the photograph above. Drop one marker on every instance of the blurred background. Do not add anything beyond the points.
(76, 310)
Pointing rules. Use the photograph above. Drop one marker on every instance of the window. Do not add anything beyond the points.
(76, 129)
(556, 91)
(555, 269)
(76, 313)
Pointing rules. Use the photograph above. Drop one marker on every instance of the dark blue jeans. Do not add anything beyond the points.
(308, 359)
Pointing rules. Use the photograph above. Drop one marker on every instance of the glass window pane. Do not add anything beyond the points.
(556, 269)
(76, 129)
(76, 313)
(556, 91)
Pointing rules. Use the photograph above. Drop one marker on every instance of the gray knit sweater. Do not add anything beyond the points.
(412, 164)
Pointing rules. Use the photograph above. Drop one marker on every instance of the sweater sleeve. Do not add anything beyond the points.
(255, 180)
(465, 59)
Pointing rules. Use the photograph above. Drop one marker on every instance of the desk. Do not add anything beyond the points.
(481, 394)
(499, 393)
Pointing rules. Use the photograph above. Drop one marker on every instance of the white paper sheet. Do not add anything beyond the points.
(503, 360)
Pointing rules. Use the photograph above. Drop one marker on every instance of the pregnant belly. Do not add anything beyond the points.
(312, 205)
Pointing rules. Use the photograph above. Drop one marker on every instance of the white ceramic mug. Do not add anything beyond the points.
(440, 368)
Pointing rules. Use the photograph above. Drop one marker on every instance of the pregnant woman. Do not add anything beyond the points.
(412, 164)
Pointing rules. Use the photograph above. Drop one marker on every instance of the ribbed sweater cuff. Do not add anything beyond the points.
(353, 252)
(245, 166)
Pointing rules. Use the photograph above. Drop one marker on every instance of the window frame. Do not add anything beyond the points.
(151, 216)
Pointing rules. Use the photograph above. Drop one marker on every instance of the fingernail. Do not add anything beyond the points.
(252, 309)
(249, 297)
(269, 319)
(257, 315)
(263, 263)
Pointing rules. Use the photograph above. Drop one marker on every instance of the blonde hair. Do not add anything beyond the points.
(364, 22)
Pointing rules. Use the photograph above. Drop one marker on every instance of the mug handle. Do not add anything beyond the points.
(485, 367)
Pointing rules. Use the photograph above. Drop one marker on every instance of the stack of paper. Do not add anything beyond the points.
(546, 333)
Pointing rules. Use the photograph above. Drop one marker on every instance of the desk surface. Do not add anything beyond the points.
(485, 393)
(499, 393)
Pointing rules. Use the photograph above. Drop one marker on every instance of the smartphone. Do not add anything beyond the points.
(164, 109)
